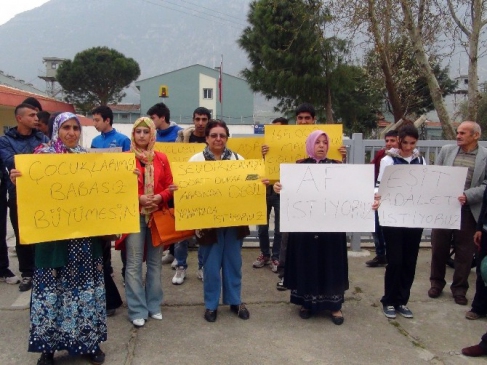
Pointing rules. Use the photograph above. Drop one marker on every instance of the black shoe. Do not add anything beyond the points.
(280, 285)
(210, 315)
(111, 312)
(460, 299)
(304, 313)
(46, 359)
(240, 310)
(377, 261)
(338, 320)
(25, 284)
(98, 357)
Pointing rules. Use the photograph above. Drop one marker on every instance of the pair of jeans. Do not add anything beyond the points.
(273, 201)
(143, 300)
(4, 263)
(181, 254)
(222, 269)
(25, 253)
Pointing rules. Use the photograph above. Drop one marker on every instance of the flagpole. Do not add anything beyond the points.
(220, 84)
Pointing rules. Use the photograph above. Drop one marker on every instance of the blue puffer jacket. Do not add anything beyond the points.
(13, 143)
(168, 135)
(3, 181)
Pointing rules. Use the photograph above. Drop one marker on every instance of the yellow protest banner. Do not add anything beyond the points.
(179, 152)
(247, 147)
(214, 194)
(62, 196)
(287, 143)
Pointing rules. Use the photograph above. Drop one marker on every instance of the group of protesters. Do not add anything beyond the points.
(71, 280)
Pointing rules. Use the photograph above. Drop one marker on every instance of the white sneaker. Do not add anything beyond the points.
(139, 322)
(199, 274)
(180, 275)
(274, 265)
(174, 264)
(167, 259)
(157, 316)
(10, 279)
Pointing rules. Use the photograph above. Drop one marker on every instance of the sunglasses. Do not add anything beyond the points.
(216, 135)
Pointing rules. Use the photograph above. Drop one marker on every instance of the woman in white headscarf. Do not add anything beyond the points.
(68, 292)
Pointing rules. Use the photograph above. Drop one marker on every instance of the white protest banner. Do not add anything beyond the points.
(327, 198)
(105, 150)
(419, 196)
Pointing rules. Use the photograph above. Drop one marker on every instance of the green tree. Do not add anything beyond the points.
(411, 87)
(290, 57)
(463, 112)
(96, 76)
(357, 101)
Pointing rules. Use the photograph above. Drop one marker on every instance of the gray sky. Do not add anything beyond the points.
(12, 7)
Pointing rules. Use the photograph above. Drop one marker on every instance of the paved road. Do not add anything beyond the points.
(274, 334)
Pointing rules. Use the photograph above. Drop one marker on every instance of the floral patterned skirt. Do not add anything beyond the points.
(68, 304)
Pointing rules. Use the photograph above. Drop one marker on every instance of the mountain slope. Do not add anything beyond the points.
(160, 35)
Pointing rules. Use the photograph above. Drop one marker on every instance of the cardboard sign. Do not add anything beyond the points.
(179, 152)
(105, 150)
(248, 148)
(327, 198)
(287, 144)
(63, 196)
(215, 194)
(419, 196)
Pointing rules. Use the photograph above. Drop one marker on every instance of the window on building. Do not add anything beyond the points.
(54, 66)
(207, 93)
(125, 116)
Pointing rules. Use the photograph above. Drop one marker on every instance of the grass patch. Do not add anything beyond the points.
(403, 332)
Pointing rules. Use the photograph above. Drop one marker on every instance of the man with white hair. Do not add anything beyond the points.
(466, 153)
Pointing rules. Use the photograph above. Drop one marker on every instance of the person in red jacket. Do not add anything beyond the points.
(154, 181)
(380, 246)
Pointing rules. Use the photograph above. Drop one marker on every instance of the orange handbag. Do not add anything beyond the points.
(163, 228)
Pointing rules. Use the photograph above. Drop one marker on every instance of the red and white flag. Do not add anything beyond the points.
(220, 82)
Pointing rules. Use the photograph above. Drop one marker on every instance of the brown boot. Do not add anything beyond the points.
(474, 351)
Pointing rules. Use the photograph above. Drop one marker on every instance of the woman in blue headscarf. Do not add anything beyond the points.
(68, 292)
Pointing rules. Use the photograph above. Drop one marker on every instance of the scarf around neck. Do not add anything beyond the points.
(146, 157)
(209, 156)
